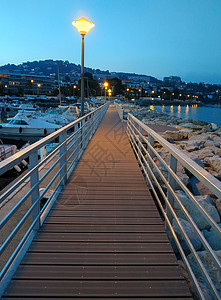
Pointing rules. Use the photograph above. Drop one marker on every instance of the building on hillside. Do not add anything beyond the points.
(172, 80)
(27, 84)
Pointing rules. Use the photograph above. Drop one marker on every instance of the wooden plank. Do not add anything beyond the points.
(103, 220)
(101, 237)
(53, 227)
(103, 207)
(92, 247)
(124, 259)
(106, 213)
(101, 288)
(98, 272)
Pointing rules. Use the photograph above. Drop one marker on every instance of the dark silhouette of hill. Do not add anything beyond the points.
(49, 68)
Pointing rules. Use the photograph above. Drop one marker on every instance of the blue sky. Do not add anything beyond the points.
(153, 37)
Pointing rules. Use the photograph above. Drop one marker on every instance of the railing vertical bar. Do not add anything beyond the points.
(34, 179)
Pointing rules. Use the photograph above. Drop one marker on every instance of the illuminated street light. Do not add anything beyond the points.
(32, 81)
(105, 84)
(83, 26)
(74, 88)
(38, 86)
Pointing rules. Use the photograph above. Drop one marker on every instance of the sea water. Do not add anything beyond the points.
(208, 113)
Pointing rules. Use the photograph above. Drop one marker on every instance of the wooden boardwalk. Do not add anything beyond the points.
(104, 237)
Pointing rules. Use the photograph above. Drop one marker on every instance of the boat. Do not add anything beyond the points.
(60, 117)
(26, 106)
(24, 126)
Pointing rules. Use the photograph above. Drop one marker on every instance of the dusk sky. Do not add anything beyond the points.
(153, 37)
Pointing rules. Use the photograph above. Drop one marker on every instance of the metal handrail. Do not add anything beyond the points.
(146, 156)
(64, 157)
(120, 110)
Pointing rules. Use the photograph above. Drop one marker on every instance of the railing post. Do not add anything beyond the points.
(172, 183)
(151, 142)
(63, 161)
(139, 141)
(34, 179)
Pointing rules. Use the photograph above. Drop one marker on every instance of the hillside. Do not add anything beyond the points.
(49, 68)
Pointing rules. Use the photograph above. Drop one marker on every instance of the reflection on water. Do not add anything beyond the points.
(210, 114)
(171, 109)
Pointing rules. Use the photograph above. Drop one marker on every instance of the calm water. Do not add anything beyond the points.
(210, 114)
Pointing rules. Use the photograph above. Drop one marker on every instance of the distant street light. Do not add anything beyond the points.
(109, 93)
(83, 26)
(105, 88)
(32, 81)
(38, 86)
(74, 88)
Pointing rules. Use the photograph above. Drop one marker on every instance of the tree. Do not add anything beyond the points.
(67, 78)
(91, 86)
(2, 88)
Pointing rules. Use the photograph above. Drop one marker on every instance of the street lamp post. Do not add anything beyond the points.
(83, 26)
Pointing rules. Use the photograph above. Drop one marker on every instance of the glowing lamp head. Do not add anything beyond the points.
(105, 84)
(83, 25)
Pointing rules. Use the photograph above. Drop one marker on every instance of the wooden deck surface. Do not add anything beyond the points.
(104, 237)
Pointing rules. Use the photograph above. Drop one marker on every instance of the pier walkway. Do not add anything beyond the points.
(104, 237)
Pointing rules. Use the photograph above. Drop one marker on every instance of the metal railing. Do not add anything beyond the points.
(42, 183)
(163, 180)
(120, 110)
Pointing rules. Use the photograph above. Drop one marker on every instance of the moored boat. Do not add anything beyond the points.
(23, 126)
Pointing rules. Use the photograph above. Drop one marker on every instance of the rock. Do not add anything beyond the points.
(212, 238)
(211, 268)
(205, 152)
(170, 140)
(209, 143)
(218, 205)
(194, 212)
(191, 126)
(218, 131)
(192, 134)
(190, 233)
(185, 132)
(206, 198)
(194, 145)
(215, 163)
(214, 126)
(176, 135)
(195, 158)
(202, 189)
(215, 174)
(196, 142)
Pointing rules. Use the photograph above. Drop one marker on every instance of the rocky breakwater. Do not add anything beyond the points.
(201, 142)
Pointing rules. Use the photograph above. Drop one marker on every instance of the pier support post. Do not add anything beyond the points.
(151, 142)
(63, 161)
(34, 178)
(172, 183)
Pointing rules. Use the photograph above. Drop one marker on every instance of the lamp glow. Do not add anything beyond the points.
(83, 25)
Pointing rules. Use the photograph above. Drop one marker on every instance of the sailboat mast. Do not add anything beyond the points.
(59, 86)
